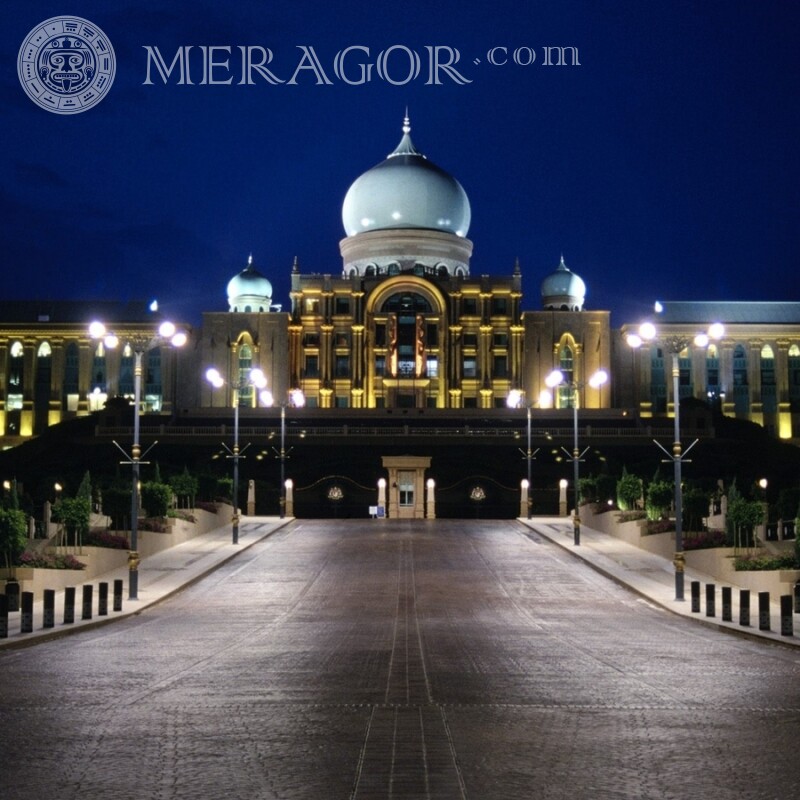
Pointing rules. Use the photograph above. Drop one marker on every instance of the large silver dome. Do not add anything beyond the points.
(406, 191)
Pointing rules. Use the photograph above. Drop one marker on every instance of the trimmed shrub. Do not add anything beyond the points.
(13, 533)
(695, 508)
(659, 499)
(185, 487)
(117, 505)
(629, 491)
(156, 498)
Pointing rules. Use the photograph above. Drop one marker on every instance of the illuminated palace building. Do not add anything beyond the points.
(404, 324)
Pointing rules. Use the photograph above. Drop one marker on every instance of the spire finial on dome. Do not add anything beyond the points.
(406, 146)
(517, 270)
(295, 265)
(250, 260)
(561, 264)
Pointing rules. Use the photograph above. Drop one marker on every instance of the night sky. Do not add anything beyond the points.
(665, 166)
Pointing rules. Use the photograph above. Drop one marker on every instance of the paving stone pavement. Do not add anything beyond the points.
(390, 659)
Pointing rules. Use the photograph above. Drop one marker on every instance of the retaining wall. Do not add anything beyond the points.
(716, 562)
(101, 560)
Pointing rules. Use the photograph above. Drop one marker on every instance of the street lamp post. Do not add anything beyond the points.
(557, 378)
(675, 344)
(514, 400)
(255, 378)
(139, 344)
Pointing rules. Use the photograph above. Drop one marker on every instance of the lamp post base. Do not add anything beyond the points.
(679, 561)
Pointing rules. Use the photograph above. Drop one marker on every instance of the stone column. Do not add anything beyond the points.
(251, 498)
(382, 496)
(289, 484)
(430, 511)
(523, 498)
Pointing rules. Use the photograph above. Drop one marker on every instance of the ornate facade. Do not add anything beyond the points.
(52, 370)
(402, 324)
(752, 373)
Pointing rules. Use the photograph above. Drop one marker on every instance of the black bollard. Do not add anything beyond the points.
(695, 597)
(3, 617)
(49, 616)
(102, 599)
(12, 593)
(118, 594)
(744, 607)
(69, 605)
(787, 624)
(763, 611)
(87, 601)
(711, 600)
(26, 618)
(727, 604)
(797, 598)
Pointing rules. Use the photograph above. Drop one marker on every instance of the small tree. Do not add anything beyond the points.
(588, 489)
(744, 515)
(73, 514)
(156, 498)
(659, 499)
(185, 487)
(117, 506)
(13, 534)
(629, 491)
(695, 508)
(85, 489)
(224, 490)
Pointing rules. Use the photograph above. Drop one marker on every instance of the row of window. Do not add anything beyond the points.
(715, 390)
(342, 338)
(43, 369)
(406, 366)
(410, 301)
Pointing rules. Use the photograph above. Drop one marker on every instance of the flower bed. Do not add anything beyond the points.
(186, 516)
(49, 561)
(154, 524)
(761, 561)
(660, 526)
(106, 539)
(702, 540)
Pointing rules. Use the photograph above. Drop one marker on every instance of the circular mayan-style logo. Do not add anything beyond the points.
(66, 65)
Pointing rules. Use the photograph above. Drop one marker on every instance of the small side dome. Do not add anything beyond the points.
(406, 190)
(249, 290)
(563, 290)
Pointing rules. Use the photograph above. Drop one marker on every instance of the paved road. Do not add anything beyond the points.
(454, 659)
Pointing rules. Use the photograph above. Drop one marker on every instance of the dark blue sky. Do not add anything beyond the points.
(665, 166)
